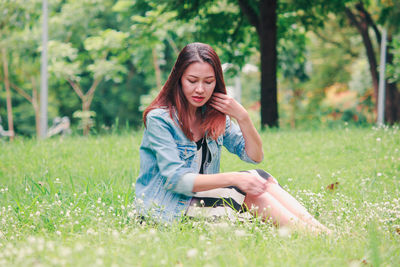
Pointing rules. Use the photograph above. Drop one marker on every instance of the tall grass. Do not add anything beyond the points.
(69, 202)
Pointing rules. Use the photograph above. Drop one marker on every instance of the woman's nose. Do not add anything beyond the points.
(200, 88)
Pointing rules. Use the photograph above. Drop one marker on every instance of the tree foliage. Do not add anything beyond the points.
(109, 58)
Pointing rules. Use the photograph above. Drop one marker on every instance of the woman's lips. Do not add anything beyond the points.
(197, 98)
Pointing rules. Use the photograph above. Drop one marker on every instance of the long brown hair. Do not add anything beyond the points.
(171, 95)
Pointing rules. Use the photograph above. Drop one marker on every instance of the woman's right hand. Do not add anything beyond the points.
(250, 184)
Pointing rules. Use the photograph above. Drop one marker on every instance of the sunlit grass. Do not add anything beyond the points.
(70, 202)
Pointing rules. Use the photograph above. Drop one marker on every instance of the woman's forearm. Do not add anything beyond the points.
(231, 107)
(205, 182)
(247, 182)
(253, 142)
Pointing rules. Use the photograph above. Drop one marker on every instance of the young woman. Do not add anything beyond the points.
(185, 127)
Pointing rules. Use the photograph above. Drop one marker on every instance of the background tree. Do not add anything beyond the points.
(101, 62)
(15, 16)
(361, 14)
(233, 19)
(313, 40)
(239, 21)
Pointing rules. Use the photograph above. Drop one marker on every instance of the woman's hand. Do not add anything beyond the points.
(250, 184)
(229, 106)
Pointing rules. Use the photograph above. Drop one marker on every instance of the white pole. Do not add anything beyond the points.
(382, 67)
(43, 74)
(238, 87)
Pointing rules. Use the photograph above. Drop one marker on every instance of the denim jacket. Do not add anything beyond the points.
(168, 164)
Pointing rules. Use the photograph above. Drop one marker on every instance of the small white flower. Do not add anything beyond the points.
(100, 251)
(31, 239)
(191, 253)
(379, 174)
(152, 232)
(58, 233)
(354, 263)
(115, 233)
(79, 247)
(240, 233)
(284, 231)
(90, 231)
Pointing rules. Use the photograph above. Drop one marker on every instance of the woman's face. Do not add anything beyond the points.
(198, 83)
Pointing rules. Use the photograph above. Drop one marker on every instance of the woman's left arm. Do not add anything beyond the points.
(230, 107)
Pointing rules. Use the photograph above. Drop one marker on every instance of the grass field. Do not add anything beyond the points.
(68, 202)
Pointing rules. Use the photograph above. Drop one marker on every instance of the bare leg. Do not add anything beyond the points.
(270, 208)
(291, 204)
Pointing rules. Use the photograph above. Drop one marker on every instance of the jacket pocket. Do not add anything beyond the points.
(186, 151)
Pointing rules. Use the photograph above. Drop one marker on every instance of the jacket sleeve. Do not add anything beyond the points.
(234, 141)
(179, 178)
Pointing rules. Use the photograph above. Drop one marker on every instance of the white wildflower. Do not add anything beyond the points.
(90, 231)
(284, 231)
(100, 251)
(240, 233)
(191, 253)
(115, 233)
(152, 232)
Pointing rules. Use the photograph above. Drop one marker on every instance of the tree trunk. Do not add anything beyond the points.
(362, 26)
(268, 41)
(85, 116)
(35, 104)
(8, 94)
(392, 101)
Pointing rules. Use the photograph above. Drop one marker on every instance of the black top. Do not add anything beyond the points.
(205, 153)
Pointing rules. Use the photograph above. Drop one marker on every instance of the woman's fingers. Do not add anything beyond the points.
(228, 105)
(218, 107)
(224, 103)
(252, 184)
